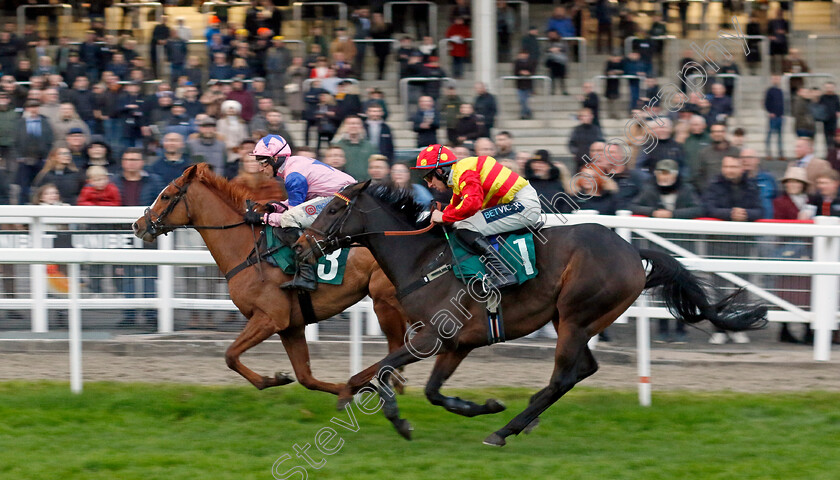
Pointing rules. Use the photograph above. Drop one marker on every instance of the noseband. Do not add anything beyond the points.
(329, 243)
(155, 227)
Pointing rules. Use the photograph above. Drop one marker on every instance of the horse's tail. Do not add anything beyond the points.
(686, 298)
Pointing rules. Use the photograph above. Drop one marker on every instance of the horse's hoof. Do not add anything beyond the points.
(343, 402)
(494, 406)
(283, 378)
(531, 426)
(495, 440)
(403, 428)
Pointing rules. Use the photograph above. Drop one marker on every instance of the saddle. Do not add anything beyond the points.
(274, 248)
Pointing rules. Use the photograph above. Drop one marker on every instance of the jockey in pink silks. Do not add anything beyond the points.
(310, 185)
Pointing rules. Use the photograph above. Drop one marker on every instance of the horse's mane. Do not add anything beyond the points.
(400, 200)
(233, 194)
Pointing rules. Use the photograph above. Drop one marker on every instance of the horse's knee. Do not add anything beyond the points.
(231, 359)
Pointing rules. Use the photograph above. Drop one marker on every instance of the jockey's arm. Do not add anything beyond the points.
(296, 188)
(471, 198)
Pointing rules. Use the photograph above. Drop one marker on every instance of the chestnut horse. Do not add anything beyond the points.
(201, 199)
(588, 276)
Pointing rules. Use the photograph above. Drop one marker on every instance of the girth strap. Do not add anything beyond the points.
(423, 281)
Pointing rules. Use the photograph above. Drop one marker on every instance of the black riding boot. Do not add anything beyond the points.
(499, 273)
(305, 278)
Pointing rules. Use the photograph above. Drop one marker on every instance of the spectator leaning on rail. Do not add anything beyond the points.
(310, 185)
(487, 199)
(732, 195)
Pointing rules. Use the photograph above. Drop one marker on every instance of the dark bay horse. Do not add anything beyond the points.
(200, 198)
(588, 276)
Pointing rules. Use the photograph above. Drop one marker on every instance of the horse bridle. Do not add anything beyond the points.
(156, 227)
(328, 244)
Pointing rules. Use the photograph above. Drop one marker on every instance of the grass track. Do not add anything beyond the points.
(149, 431)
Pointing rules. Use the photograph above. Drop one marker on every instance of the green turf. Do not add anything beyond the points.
(146, 431)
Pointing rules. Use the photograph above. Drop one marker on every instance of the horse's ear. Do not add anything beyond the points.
(365, 185)
(190, 172)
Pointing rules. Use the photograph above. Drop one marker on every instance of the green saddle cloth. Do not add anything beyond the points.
(517, 250)
(330, 267)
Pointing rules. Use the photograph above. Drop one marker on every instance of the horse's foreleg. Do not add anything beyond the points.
(392, 321)
(258, 328)
(421, 346)
(294, 341)
(445, 365)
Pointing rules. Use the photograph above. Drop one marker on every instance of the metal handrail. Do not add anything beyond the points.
(582, 58)
(672, 52)
(738, 100)
(545, 79)
(597, 84)
(403, 86)
(786, 84)
(156, 5)
(21, 10)
(297, 10)
(389, 6)
(524, 14)
(812, 45)
(205, 7)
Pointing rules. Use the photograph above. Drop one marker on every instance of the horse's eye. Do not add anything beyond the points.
(331, 211)
(164, 197)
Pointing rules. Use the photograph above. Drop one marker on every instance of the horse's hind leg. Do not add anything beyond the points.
(294, 341)
(571, 347)
(587, 368)
(258, 328)
(445, 365)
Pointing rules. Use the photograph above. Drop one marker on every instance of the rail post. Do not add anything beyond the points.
(355, 339)
(165, 288)
(74, 323)
(824, 292)
(38, 279)
(627, 235)
(643, 351)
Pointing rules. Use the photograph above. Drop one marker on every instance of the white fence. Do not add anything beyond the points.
(823, 268)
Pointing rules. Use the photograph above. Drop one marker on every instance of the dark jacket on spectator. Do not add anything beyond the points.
(524, 64)
(630, 183)
(721, 107)
(36, 148)
(468, 126)
(721, 196)
(167, 170)
(73, 71)
(426, 136)
(386, 140)
(582, 137)
(774, 101)
(550, 189)
(650, 199)
(68, 183)
(833, 207)
(485, 105)
(667, 148)
(83, 101)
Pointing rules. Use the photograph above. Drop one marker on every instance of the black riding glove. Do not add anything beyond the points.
(253, 217)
